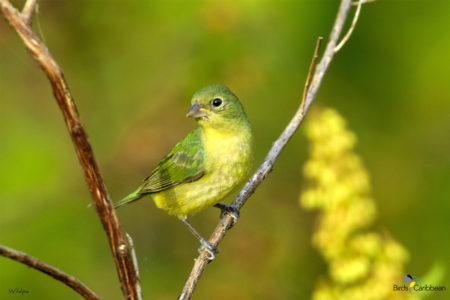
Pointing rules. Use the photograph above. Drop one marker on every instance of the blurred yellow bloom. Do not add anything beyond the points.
(362, 264)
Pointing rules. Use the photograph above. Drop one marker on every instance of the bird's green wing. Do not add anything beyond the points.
(185, 163)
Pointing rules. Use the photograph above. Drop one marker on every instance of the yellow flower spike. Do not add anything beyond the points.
(362, 263)
(395, 252)
(368, 244)
(349, 270)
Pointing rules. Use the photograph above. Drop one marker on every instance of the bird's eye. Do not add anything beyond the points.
(217, 102)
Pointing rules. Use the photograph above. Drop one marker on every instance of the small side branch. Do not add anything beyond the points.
(43, 267)
(352, 27)
(311, 89)
(135, 263)
(105, 210)
(28, 10)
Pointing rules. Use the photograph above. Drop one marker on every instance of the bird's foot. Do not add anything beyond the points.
(208, 247)
(233, 211)
(205, 245)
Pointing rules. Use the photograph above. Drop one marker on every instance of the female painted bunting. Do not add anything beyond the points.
(208, 164)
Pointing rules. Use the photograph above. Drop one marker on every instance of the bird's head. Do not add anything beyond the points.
(216, 106)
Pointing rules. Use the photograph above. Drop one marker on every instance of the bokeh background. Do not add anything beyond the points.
(132, 67)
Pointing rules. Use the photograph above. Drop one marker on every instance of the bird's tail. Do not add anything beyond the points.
(136, 195)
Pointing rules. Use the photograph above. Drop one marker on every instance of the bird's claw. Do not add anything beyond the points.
(232, 210)
(208, 247)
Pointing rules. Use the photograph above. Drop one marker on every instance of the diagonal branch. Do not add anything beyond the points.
(122, 257)
(39, 265)
(311, 89)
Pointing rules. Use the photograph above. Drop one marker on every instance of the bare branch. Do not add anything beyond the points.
(104, 207)
(135, 263)
(362, 2)
(329, 52)
(310, 74)
(56, 273)
(28, 10)
(263, 171)
(352, 27)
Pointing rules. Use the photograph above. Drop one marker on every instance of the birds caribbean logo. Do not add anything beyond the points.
(207, 165)
(411, 282)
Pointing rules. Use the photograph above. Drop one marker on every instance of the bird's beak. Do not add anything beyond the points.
(197, 111)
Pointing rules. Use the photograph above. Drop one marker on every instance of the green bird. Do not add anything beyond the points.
(208, 164)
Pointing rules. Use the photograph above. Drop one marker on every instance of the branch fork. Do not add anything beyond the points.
(28, 10)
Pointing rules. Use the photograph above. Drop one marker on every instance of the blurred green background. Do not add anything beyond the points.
(132, 67)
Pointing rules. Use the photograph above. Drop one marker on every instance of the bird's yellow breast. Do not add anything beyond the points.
(228, 158)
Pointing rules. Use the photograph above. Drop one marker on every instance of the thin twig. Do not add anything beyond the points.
(362, 2)
(265, 168)
(104, 207)
(310, 73)
(56, 273)
(135, 263)
(28, 10)
(352, 27)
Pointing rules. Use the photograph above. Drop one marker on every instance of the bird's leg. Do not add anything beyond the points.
(205, 244)
(233, 211)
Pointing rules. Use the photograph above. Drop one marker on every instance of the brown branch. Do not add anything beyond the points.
(56, 273)
(104, 207)
(263, 171)
(310, 74)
